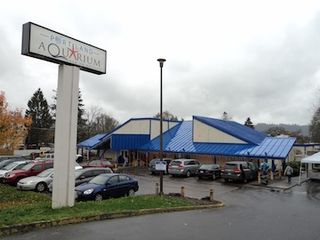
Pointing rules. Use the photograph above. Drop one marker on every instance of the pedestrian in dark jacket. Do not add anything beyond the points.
(288, 172)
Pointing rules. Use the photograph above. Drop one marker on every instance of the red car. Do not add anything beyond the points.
(98, 163)
(28, 170)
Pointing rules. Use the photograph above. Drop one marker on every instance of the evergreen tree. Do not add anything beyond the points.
(314, 128)
(82, 122)
(225, 116)
(166, 115)
(42, 121)
(248, 123)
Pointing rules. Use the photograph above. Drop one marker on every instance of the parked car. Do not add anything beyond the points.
(106, 186)
(31, 169)
(85, 175)
(13, 166)
(211, 171)
(152, 165)
(239, 170)
(39, 182)
(98, 163)
(7, 161)
(183, 167)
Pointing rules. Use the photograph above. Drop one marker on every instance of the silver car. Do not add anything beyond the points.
(39, 183)
(183, 167)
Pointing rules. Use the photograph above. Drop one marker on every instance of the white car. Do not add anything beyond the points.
(13, 166)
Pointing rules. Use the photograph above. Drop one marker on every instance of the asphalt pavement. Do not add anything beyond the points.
(251, 212)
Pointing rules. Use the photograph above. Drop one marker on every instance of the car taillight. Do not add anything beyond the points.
(237, 170)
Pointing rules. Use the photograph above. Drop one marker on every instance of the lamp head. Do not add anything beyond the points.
(161, 61)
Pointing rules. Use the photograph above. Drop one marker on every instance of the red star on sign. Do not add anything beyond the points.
(73, 52)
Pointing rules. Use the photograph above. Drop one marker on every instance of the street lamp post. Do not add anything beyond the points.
(161, 61)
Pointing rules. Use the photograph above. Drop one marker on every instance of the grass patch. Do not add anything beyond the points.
(20, 207)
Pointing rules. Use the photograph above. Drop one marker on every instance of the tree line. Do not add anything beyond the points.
(41, 131)
(36, 126)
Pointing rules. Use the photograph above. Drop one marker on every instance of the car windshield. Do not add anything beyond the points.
(208, 166)
(175, 163)
(100, 179)
(77, 173)
(4, 163)
(10, 166)
(230, 166)
(28, 166)
(45, 173)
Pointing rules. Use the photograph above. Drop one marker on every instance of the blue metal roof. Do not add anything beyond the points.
(179, 139)
(234, 129)
(99, 139)
(93, 141)
(128, 141)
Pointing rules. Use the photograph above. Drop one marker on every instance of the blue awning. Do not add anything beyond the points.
(92, 142)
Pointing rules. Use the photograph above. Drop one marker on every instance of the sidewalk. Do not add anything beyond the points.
(282, 184)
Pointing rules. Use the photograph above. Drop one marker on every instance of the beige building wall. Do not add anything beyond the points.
(134, 127)
(155, 127)
(204, 133)
(145, 126)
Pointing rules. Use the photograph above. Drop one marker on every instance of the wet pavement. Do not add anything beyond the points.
(251, 212)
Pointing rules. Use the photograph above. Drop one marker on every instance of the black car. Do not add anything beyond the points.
(106, 186)
(152, 165)
(86, 174)
(239, 170)
(211, 171)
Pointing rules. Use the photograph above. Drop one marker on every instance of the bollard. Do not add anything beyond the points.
(182, 191)
(211, 195)
(259, 177)
(271, 176)
(157, 188)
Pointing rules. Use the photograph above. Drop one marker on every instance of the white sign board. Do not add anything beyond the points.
(161, 166)
(43, 43)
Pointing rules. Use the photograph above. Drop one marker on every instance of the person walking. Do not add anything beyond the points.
(288, 172)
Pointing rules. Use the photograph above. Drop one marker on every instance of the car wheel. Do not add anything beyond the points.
(214, 177)
(98, 197)
(130, 193)
(199, 177)
(188, 173)
(245, 180)
(226, 180)
(41, 187)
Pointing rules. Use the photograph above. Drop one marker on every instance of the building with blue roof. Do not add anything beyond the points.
(204, 138)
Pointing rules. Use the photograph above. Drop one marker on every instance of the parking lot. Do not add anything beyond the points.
(194, 187)
(250, 212)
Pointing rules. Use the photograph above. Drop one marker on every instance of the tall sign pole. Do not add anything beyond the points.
(65, 136)
(72, 56)
(161, 61)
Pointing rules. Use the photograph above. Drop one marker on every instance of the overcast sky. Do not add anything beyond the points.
(248, 58)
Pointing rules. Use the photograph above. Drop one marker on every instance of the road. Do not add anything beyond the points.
(250, 213)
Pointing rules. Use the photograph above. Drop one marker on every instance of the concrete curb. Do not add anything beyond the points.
(283, 188)
(21, 228)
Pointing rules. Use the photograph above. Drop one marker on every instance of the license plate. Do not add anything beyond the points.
(201, 171)
(229, 173)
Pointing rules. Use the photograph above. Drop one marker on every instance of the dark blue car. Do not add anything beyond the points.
(106, 186)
